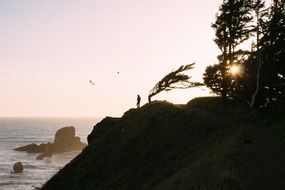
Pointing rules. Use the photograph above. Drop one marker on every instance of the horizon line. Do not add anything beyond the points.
(52, 117)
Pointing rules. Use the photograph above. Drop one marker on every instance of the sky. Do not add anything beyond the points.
(49, 50)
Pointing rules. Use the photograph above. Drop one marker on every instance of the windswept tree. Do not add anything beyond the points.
(177, 79)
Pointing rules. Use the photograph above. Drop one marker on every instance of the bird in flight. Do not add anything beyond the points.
(91, 82)
(118, 72)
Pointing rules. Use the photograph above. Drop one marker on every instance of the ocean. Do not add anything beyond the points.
(15, 132)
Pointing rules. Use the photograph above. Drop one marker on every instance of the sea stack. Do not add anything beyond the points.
(18, 167)
(64, 141)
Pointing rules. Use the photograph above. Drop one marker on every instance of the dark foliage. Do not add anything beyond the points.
(231, 29)
(261, 81)
(272, 56)
(174, 80)
(264, 82)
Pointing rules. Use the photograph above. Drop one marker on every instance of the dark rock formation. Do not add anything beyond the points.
(64, 135)
(44, 155)
(33, 148)
(64, 141)
(105, 124)
(18, 167)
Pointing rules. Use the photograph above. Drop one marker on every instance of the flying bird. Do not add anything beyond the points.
(118, 72)
(91, 82)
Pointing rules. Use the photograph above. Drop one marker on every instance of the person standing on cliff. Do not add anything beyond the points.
(138, 101)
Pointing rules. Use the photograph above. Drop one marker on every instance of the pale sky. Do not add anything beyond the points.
(50, 49)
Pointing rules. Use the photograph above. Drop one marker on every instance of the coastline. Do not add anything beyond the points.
(16, 132)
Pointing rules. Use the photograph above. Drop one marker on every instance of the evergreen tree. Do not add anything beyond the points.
(252, 72)
(231, 29)
(272, 55)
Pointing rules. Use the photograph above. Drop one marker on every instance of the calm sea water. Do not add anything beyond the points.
(15, 132)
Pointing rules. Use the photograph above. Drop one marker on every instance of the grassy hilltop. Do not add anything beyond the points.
(204, 145)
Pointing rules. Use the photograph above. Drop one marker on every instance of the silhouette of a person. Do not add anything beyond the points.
(138, 101)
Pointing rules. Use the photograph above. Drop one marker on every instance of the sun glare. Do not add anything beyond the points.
(235, 69)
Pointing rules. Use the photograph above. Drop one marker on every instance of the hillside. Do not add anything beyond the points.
(204, 145)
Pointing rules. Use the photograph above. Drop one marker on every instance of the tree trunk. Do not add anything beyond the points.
(253, 97)
(149, 98)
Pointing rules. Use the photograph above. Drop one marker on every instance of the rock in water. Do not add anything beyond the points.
(64, 138)
(64, 141)
(18, 167)
(64, 134)
(32, 148)
(44, 155)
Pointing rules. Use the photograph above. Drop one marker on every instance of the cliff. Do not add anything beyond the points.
(203, 145)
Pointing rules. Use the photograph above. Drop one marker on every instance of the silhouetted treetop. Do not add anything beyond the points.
(257, 75)
(232, 27)
(175, 80)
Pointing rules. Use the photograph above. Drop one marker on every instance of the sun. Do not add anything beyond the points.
(235, 69)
